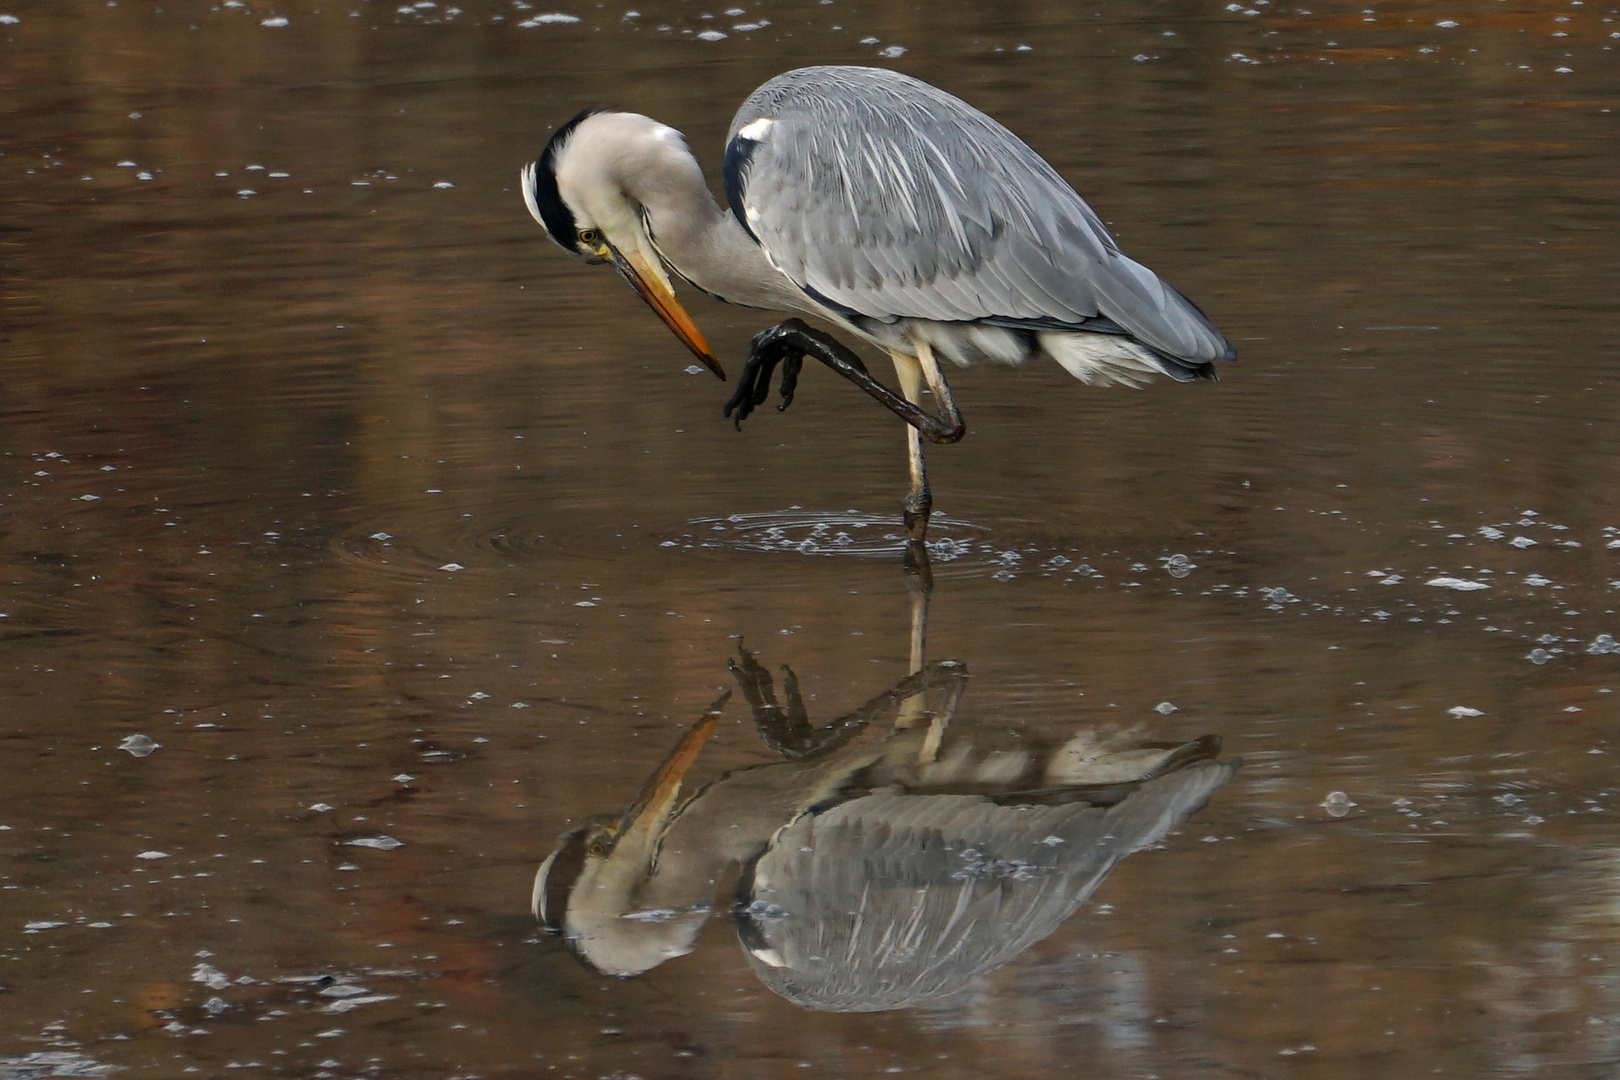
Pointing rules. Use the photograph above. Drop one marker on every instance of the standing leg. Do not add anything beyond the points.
(919, 501)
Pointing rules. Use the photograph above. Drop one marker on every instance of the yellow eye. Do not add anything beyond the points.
(588, 236)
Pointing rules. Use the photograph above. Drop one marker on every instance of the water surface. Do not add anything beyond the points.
(323, 470)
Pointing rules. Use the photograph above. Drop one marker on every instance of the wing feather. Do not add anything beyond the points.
(895, 200)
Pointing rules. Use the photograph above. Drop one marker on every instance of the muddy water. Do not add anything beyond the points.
(386, 522)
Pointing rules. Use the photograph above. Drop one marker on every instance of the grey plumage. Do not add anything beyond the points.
(890, 200)
(887, 207)
(890, 863)
(895, 899)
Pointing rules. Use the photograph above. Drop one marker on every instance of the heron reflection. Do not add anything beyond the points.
(887, 858)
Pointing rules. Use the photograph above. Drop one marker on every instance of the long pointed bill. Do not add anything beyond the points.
(657, 797)
(649, 284)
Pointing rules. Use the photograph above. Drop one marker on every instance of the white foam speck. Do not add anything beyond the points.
(139, 745)
(1460, 584)
(380, 843)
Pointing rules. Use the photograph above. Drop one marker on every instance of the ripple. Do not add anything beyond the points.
(450, 541)
(818, 532)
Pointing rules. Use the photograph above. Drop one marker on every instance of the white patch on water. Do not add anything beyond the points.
(139, 745)
(1460, 584)
(379, 843)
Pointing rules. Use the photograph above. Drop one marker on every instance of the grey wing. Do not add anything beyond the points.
(891, 900)
(884, 197)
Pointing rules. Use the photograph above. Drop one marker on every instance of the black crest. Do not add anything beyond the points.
(554, 213)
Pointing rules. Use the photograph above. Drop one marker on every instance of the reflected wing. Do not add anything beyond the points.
(891, 900)
(884, 197)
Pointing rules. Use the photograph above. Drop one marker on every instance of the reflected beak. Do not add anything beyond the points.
(649, 284)
(656, 800)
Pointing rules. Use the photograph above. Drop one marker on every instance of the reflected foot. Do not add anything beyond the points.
(787, 728)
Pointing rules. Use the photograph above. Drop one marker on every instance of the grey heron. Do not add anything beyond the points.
(883, 864)
(886, 207)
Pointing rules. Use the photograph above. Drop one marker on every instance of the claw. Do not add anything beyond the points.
(767, 350)
(788, 343)
(790, 378)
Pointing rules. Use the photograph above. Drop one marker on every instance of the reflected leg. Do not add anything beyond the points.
(919, 588)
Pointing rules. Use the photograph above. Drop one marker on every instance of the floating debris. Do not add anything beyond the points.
(343, 990)
(1179, 566)
(1337, 803)
(139, 745)
(1460, 584)
(210, 976)
(380, 843)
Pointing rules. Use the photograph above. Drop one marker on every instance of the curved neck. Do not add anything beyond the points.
(702, 242)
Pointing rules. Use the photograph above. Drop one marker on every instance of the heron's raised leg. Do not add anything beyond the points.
(789, 342)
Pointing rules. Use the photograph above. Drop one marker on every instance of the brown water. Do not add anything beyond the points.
(325, 471)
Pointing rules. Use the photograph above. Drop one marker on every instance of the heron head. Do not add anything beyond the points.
(592, 887)
(577, 190)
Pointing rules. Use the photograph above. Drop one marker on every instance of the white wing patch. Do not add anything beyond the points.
(756, 130)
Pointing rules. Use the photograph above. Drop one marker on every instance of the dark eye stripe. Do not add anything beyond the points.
(554, 213)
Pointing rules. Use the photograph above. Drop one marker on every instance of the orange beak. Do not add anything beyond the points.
(657, 797)
(649, 285)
